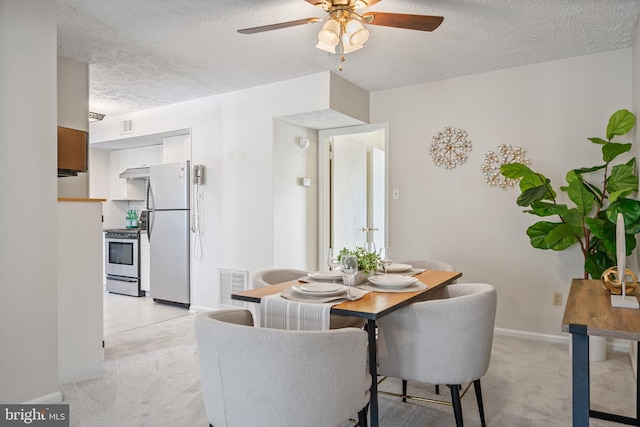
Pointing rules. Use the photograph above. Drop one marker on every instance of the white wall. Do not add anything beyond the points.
(80, 321)
(550, 109)
(28, 306)
(73, 112)
(295, 206)
(232, 136)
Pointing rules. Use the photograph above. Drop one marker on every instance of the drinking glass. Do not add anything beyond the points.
(370, 247)
(349, 268)
(332, 259)
(385, 257)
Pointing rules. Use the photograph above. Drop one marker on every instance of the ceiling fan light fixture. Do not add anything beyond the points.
(347, 46)
(360, 4)
(356, 32)
(329, 36)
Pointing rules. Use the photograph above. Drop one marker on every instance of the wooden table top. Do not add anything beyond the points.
(374, 304)
(589, 304)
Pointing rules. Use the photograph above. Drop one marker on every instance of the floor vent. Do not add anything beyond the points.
(232, 281)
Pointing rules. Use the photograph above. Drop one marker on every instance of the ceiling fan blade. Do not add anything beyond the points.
(278, 26)
(402, 20)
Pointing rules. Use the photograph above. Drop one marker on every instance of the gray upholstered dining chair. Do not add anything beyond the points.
(441, 341)
(278, 275)
(270, 377)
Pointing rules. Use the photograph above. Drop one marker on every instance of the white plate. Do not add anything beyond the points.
(326, 275)
(392, 280)
(397, 268)
(320, 287)
(339, 290)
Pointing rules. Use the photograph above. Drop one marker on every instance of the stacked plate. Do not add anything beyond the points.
(326, 275)
(392, 280)
(315, 289)
(397, 268)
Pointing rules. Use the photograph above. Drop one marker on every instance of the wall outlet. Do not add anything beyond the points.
(557, 298)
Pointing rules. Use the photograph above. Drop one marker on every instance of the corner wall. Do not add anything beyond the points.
(28, 223)
(549, 109)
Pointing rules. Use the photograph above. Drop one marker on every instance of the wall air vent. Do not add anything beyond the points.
(126, 126)
(232, 281)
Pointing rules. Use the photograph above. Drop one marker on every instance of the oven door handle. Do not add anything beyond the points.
(122, 278)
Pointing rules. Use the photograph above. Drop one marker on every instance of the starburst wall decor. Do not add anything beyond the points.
(448, 147)
(492, 162)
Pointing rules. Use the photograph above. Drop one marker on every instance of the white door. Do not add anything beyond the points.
(359, 161)
(348, 194)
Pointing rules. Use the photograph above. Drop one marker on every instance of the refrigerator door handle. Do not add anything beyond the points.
(149, 196)
(149, 224)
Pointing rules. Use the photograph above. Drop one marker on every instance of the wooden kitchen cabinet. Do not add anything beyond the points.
(72, 149)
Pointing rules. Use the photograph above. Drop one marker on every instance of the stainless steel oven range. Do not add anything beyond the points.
(122, 261)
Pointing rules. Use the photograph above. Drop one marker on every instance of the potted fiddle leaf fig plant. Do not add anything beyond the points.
(596, 195)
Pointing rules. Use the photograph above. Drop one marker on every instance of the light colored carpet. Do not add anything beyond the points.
(150, 377)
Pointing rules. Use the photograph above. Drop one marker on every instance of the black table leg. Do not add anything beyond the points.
(580, 375)
(373, 370)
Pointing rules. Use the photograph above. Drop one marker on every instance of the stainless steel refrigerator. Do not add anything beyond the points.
(168, 228)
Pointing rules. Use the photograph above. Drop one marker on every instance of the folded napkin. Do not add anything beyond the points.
(298, 313)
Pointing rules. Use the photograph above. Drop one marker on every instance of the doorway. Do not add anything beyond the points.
(353, 182)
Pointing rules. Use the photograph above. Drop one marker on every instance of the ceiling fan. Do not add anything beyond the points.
(343, 31)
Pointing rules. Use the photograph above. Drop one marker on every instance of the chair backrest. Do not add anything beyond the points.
(257, 376)
(278, 275)
(430, 264)
(440, 341)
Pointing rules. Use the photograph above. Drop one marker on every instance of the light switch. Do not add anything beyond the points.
(305, 182)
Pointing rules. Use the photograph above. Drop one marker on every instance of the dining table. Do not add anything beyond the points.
(372, 306)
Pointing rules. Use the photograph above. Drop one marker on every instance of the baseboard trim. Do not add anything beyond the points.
(200, 309)
(55, 397)
(612, 344)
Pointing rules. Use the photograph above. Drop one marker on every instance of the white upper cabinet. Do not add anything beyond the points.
(176, 149)
(120, 188)
(144, 156)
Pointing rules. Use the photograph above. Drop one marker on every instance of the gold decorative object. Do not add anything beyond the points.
(492, 161)
(448, 147)
(612, 283)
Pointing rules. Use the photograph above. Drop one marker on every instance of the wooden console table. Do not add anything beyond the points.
(589, 312)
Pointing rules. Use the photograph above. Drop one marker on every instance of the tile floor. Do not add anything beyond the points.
(123, 312)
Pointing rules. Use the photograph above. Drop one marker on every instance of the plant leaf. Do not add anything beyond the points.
(581, 171)
(532, 195)
(551, 235)
(612, 150)
(598, 141)
(581, 196)
(515, 170)
(547, 209)
(622, 181)
(629, 208)
(562, 236)
(597, 227)
(620, 123)
(596, 263)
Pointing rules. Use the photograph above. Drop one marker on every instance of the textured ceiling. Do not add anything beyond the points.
(149, 53)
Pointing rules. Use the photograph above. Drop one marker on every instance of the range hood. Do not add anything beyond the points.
(135, 173)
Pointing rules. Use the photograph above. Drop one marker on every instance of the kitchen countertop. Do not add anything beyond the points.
(76, 199)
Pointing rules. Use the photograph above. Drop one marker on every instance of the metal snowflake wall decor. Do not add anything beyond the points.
(492, 162)
(448, 147)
